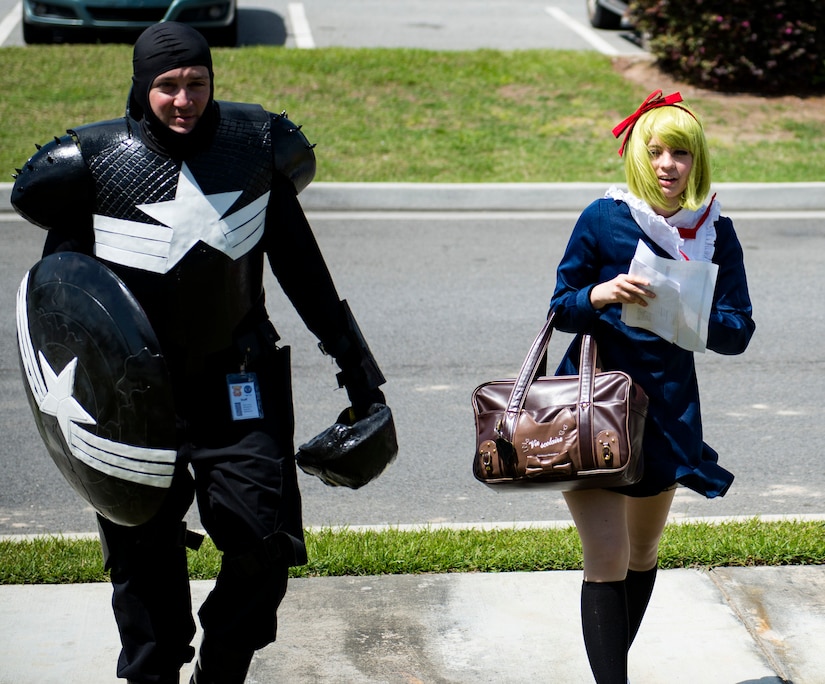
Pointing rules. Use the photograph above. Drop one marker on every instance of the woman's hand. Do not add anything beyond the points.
(623, 289)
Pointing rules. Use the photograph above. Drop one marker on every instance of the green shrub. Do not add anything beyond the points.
(771, 47)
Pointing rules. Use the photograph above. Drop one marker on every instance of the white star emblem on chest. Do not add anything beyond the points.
(193, 216)
(189, 218)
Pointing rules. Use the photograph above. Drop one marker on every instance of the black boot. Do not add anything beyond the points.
(221, 664)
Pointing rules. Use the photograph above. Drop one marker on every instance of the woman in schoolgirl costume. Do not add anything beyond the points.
(666, 207)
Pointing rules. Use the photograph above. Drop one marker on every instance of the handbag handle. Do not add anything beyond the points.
(527, 374)
(587, 380)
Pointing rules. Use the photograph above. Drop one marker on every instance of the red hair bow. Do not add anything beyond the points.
(653, 101)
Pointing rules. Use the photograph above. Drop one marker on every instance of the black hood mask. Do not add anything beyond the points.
(161, 48)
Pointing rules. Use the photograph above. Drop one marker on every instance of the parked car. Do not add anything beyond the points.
(45, 21)
(606, 14)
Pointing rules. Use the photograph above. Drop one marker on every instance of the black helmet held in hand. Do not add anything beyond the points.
(352, 452)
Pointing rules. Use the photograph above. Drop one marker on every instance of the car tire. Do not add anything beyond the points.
(602, 18)
(224, 37)
(35, 35)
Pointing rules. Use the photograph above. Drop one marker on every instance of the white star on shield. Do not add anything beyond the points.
(59, 400)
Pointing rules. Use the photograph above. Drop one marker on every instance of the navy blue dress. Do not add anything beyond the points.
(601, 247)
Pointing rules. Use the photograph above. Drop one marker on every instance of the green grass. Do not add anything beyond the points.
(418, 115)
(336, 552)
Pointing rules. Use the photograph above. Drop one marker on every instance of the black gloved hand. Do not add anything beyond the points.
(362, 398)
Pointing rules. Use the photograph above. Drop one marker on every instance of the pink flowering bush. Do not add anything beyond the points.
(770, 46)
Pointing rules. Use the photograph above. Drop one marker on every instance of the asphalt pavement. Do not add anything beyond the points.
(759, 625)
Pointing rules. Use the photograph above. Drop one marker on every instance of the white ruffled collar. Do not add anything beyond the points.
(665, 232)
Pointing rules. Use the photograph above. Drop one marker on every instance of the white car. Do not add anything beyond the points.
(606, 14)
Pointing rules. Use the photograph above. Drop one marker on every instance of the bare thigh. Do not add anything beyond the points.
(601, 520)
(617, 532)
(646, 519)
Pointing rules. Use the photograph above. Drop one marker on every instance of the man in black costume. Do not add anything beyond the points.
(182, 198)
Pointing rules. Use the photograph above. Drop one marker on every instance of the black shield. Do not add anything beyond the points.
(97, 385)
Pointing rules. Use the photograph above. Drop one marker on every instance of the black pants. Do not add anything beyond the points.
(249, 503)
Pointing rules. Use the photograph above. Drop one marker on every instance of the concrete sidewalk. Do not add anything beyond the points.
(727, 626)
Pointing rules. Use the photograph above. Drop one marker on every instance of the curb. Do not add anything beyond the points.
(536, 196)
(472, 526)
(523, 197)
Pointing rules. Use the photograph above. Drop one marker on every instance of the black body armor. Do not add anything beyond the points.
(187, 237)
(176, 232)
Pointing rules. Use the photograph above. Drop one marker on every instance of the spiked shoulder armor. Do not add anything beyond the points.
(54, 186)
(294, 155)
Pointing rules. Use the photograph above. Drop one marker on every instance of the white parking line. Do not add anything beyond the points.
(300, 26)
(587, 33)
(10, 21)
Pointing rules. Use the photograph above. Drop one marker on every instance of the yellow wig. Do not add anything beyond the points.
(678, 129)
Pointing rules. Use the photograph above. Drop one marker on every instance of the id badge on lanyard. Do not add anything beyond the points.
(244, 396)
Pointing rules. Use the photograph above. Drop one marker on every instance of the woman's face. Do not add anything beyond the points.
(672, 168)
(179, 97)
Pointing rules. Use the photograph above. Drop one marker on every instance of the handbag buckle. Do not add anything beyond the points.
(487, 450)
(607, 439)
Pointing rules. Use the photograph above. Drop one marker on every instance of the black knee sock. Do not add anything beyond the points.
(604, 626)
(639, 587)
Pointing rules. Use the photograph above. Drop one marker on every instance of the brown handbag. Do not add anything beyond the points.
(565, 432)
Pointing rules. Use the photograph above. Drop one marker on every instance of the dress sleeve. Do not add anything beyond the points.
(731, 326)
(577, 274)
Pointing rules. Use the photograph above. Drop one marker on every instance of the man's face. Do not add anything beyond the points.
(178, 97)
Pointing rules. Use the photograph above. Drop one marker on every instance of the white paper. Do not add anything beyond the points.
(680, 311)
